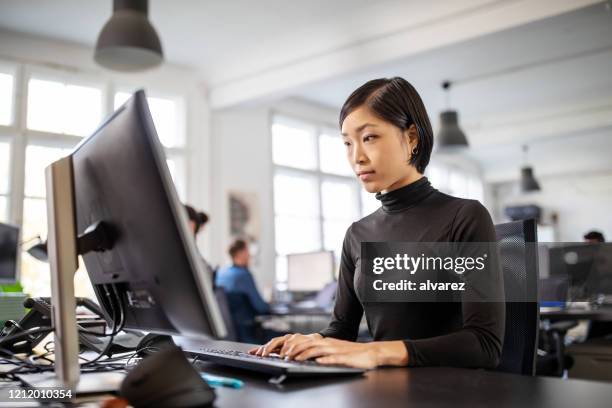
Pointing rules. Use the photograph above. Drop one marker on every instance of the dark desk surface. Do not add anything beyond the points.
(412, 387)
(601, 314)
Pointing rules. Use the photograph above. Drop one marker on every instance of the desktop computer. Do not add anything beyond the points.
(311, 285)
(112, 201)
(587, 268)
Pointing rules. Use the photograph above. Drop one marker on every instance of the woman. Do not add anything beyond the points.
(388, 140)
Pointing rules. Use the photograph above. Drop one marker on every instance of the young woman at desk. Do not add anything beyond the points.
(389, 140)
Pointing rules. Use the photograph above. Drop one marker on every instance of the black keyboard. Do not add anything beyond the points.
(273, 364)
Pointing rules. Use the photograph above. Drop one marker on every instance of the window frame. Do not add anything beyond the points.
(20, 137)
(318, 128)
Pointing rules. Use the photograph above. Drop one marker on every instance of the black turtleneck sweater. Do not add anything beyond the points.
(460, 334)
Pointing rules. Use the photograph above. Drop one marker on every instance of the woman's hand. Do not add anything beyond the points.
(281, 344)
(327, 350)
(337, 352)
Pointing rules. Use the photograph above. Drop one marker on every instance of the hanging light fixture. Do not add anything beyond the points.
(528, 180)
(450, 134)
(128, 42)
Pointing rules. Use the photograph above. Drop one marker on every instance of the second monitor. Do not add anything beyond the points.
(309, 272)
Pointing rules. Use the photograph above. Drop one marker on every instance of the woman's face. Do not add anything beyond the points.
(378, 151)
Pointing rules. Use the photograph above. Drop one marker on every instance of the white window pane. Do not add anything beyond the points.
(63, 108)
(166, 118)
(35, 276)
(176, 166)
(37, 159)
(294, 147)
(296, 195)
(369, 203)
(34, 218)
(4, 167)
(121, 98)
(295, 234)
(332, 154)
(333, 234)
(83, 110)
(3, 209)
(45, 105)
(6, 99)
(340, 200)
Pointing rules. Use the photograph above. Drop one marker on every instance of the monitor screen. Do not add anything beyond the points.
(587, 267)
(9, 246)
(309, 272)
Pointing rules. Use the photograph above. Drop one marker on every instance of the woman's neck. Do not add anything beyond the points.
(409, 179)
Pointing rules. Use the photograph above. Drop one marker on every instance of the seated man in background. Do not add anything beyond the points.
(597, 328)
(244, 299)
(594, 237)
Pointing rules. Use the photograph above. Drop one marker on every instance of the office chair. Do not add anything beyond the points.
(226, 314)
(243, 316)
(518, 258)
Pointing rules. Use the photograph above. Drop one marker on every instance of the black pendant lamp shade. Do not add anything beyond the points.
(450, 134)
(128, 42)
(528, 181)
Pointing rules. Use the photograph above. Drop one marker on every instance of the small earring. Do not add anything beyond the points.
(414, 151)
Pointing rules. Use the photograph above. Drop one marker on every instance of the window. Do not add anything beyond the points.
(456, 181)
(58, 107)
(6, 98)
(35, 275)
(316, 195)
(168, 115)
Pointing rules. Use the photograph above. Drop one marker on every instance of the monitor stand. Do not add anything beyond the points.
(63, 259)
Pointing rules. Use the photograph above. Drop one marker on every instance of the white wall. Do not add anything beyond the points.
(581, 201)
(242, 160)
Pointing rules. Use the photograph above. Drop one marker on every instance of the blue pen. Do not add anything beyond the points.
(215, 381)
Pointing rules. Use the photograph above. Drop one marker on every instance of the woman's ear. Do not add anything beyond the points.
(413, 137)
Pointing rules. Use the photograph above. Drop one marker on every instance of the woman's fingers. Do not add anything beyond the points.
(316, 351)
(298, 348)
(254, 350)
(270, 346)
(290, 342)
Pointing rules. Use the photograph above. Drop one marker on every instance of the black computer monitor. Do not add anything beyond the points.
(121, 179)
(9, 247)
(587, 267)
(113, 201)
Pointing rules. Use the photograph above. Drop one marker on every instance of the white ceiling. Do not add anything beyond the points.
(212, 36)
(565, 80)
(568, 101)
(561, 37)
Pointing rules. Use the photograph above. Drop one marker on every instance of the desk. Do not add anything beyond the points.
(406, 387)
(600, 315)
(411, 387)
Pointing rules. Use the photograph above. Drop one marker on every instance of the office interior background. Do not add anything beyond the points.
(246, 105)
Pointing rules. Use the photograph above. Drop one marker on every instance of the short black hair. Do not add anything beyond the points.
(199, 218)
(396, 101)
(595, 236)
(236, 246)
